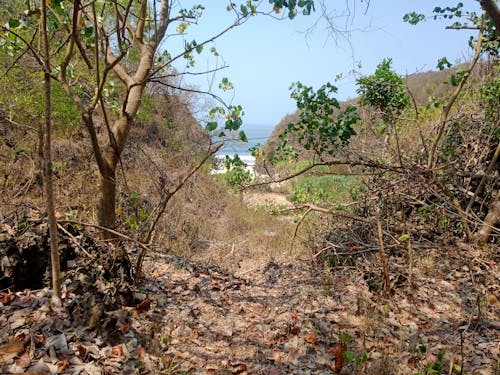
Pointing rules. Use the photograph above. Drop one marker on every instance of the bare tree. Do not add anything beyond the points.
(47, 156)
(131, 41)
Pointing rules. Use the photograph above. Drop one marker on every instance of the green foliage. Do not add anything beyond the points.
(323, 190)
(351, 357)
(491, 97)
(232, 115)
(413, 18)
(147, 110)
(236, 173)
(434, 368)
(384, 91)
(443, 63)
(491, 40)
(449, 12)
(457, 77)
(292, 6)
(457, 11)
(22, 99)
(238, 176)
(133, 212)
(318, 129)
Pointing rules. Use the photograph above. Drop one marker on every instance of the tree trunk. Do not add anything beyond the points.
(493, 12)
(47, 160)
(490, 220)
(106, 209)
(111, 156)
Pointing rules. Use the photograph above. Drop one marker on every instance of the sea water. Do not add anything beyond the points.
(256, 134)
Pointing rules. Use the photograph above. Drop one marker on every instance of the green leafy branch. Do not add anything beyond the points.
(318, 129)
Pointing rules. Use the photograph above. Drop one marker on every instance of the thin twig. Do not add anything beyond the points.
(352, 163)
(431, 162)
(297, 228)
(20, 125)
(114, 232)
(313, 207)
(28, 184)
(168, 195)
(74, 240)
(383, 258)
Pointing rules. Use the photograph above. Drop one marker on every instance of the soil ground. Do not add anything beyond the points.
(269, 317)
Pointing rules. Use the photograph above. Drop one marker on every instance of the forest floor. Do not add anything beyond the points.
(443, 317)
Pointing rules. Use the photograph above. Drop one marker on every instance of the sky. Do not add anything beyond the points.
(264, 55)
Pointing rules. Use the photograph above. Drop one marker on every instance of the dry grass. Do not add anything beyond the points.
(245, 238)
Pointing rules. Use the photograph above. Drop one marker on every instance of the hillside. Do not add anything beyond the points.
(421, 86)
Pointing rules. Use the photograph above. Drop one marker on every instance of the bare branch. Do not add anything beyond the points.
(28, 45)
(352, 163)
(297, 227)
(74, 32)
(114, 232)
(462, 27)
(383, 258)
(237, 22)
(170, 193)
(14, 63)
(186, 89)
(166, 198)
(141, 22)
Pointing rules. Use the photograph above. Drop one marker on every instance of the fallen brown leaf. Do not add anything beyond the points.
(295, 330)
(492, 300)
(39, 337)
(23, 360)
(140, 352)
(117, 351)
(123, 328)
(62, 366)
(277, 357)
(143, 306)
(311, 338)
(5, 297)
(10, 350)
(338, 353)
(83, 352)
(238, 368)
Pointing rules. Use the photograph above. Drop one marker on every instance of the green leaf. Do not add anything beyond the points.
(211, 126)
(244, 10)
(443, 63)
(404, 238)
(243, 136)
(14, 23)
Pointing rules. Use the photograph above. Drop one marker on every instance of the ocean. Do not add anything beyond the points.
(256, 134)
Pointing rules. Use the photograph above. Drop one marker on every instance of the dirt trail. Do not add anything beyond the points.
(263, 199)
(290, 319)
(275, 319)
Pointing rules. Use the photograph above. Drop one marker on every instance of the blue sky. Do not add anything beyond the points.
(264, 56)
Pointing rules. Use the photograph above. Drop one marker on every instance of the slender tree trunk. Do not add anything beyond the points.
(106, 210)
(111, 156)
(47, 158)
(492, 10)
(490, 220)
